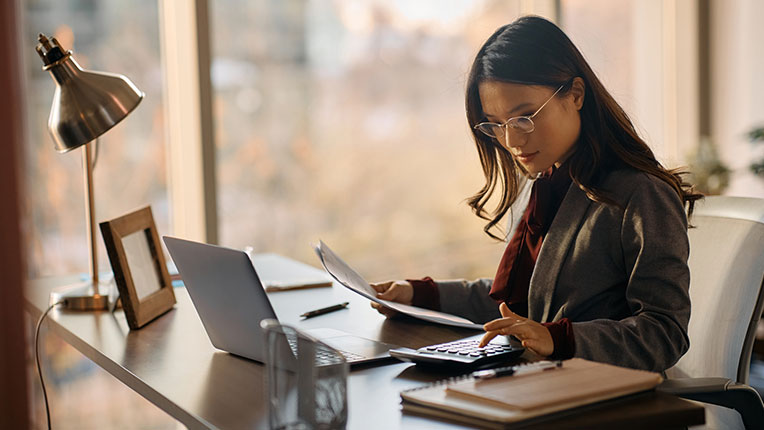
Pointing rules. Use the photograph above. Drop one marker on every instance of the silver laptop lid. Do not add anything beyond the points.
(226, 293)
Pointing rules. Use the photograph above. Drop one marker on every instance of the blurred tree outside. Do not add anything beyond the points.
(344, 121)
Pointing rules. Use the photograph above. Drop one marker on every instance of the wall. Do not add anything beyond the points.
(737, 88)
(13, 394)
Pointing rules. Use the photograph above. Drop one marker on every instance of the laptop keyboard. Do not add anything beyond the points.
(326, 357)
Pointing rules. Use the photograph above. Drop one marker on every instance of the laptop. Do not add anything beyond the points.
(231, 301)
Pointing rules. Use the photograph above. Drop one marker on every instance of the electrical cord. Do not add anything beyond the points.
(37, 356)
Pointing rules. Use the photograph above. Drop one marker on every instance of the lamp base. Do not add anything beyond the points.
(80, 297)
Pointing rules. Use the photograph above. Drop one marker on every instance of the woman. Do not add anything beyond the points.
(596, 266)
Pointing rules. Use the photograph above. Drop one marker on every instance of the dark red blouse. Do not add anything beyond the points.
(513, 276)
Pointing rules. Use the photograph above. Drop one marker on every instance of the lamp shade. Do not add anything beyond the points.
(86, 104)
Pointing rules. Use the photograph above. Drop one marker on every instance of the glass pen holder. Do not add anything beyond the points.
(306, 380)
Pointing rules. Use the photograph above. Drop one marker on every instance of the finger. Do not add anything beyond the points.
(501, 323)
(383, 310)
(522, 331)
(532, 344)
(387, 312)
(487, 338)
(391, 293)
(505, 312)
(381, 286)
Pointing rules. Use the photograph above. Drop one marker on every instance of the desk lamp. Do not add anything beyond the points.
(86, 105)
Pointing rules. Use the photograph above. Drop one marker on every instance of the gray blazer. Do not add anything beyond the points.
(619, 274)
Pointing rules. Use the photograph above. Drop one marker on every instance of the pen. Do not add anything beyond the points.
(326, 310)
(517, 370)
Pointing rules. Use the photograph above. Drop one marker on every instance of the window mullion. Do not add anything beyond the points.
(184, 27)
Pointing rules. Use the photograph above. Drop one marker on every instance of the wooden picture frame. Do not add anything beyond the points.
(139, 266)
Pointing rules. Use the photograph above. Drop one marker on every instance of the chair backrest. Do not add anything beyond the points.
(726, 280)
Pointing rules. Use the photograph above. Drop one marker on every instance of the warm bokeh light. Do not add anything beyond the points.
(130, 171)
(65, 36)
(345, 122)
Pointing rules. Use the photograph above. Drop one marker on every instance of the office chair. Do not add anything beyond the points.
(726, 281)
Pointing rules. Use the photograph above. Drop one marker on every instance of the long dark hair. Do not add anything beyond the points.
(534, 51)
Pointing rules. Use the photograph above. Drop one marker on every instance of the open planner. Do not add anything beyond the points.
(504, 401)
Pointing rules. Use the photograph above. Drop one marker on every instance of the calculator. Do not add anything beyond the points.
(463, 353)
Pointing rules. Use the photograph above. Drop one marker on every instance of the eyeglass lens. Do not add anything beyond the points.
(522, 124)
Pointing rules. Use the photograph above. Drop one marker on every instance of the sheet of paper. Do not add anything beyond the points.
(348, 277)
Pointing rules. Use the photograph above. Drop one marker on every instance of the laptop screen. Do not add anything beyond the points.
(227, 295)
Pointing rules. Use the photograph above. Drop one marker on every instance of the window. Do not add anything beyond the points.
(344, 121)
(669, 63)
(130, 171)
(640, 50)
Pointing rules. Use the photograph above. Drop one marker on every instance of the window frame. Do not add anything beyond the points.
(186, 60)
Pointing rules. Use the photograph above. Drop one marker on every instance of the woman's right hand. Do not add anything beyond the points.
(394, 291)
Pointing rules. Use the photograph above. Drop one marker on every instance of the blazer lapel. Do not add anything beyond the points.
(557, 242)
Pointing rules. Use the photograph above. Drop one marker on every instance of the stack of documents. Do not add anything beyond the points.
(348, 277)
(501, 401)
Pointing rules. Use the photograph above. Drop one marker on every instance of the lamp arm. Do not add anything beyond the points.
(87, 162)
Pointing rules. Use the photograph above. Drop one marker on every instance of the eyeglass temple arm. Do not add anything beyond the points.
(534, 113)
(545, 103)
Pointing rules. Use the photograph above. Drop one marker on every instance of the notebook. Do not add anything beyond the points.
(301, 275)
(511, 399)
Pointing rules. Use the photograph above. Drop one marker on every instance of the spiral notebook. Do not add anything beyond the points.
(506, 400)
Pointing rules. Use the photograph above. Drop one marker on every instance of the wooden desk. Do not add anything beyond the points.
(171, 363)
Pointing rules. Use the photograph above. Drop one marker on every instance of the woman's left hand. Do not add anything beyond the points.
(533, 335)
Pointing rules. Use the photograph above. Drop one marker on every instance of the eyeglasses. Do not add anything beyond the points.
(523, 124)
